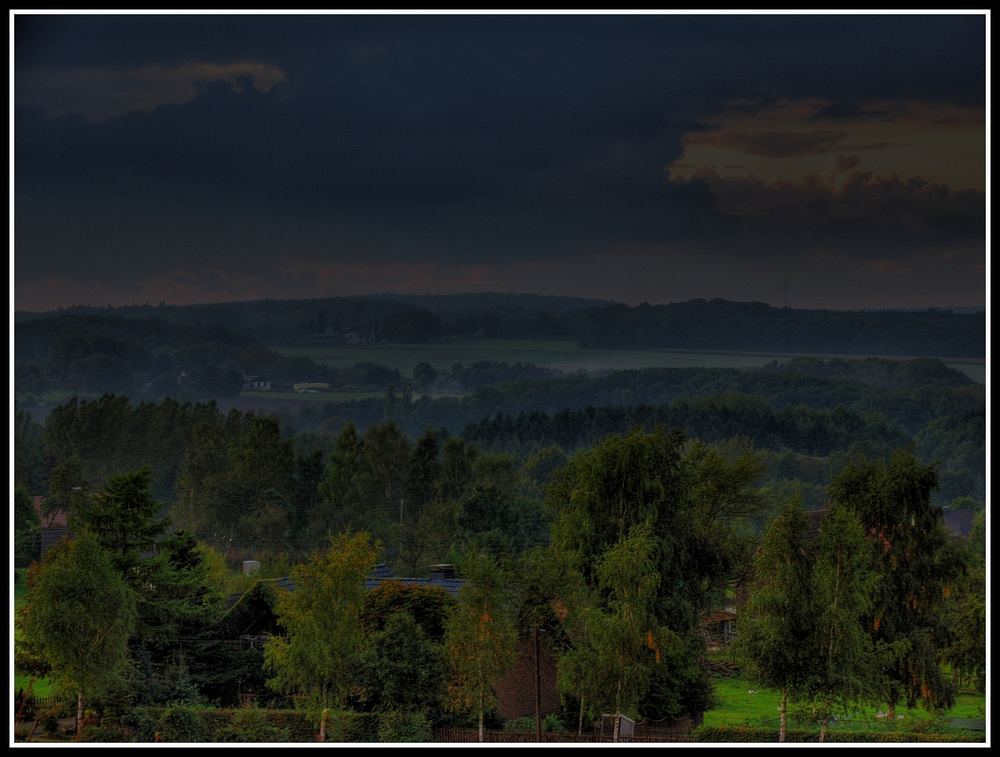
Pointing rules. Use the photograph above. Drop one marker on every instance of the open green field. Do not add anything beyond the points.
(561, 355)
(327, 396)
(43, 687)
(737, 706)
(51, 397)
(312, 397)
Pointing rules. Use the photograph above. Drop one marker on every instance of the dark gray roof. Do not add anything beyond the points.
(450, 585)
(380, 574)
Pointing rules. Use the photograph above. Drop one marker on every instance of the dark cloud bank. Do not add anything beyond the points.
(289, 156)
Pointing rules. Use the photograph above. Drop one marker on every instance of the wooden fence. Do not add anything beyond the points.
(468, 735)
(649, 733)
(59, 706)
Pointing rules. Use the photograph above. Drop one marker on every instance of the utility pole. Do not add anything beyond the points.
(785, 286)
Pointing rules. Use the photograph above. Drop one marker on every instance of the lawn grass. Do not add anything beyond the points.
(43, 686)
(561, 355)
(20, 588)
(737, 706)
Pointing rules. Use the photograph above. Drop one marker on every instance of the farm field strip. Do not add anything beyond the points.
(560, 355)
(329, 396)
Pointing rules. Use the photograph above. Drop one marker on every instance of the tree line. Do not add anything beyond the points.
(695, 324)
(645, 534)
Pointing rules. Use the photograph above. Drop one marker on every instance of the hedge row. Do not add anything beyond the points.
(202, 724)
(756, 734)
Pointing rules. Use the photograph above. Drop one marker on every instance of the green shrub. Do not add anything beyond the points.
(552, 723)
(404, 727)
(103, 733)
(141, 722)
(526, 723)
(182, 723)
(296, 726)
(49, 723)
(252, 725)
(352, 726)
(301, 728)
(937, 722)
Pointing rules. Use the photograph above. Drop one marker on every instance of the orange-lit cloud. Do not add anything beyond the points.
(785, 140)
(104, 93)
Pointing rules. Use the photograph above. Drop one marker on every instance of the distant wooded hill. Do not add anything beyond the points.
(695, 324)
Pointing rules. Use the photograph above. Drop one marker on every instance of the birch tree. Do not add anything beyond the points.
(627, 638)
(842, 584)
(777, 622)
(79, 616)
(322, 618)
(480, 639)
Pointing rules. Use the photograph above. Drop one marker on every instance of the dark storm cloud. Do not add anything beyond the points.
(784, 144)
(901, 215)
(775, 144)
(149, 144)
(853, 111)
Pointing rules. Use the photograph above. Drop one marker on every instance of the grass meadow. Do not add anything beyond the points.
(43, 686)
(739, 702)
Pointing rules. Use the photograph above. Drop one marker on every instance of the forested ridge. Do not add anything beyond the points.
(695, 324)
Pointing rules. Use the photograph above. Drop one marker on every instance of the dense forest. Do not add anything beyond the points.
(245, 479)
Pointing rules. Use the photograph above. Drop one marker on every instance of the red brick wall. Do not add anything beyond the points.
(516, 691)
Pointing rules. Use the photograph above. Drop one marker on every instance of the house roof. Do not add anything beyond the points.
(450, 585)
(380, 574)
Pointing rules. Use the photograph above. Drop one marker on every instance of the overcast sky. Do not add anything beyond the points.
(636, 158)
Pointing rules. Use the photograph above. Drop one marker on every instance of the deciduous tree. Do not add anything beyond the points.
(322, 619)
(778, 619)
(80, 614)
(910, 553)
(480, 638)
(841, 652)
